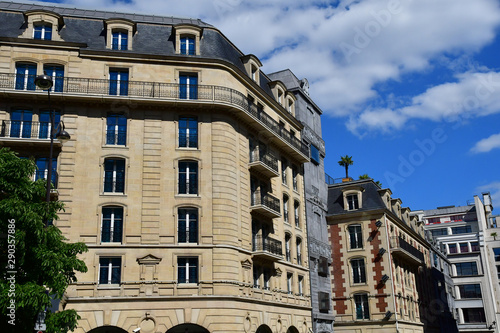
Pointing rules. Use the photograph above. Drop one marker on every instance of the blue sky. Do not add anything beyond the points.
(409, 88)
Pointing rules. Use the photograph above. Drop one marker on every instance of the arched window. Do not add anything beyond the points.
(285, 208)
(298, 243)
(114, 175)
(25, 76)
(187, 225)
(188, 177)
(112, 224)
(358, 270)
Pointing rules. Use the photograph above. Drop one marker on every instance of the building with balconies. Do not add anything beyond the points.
(183, 174)
(309, 114)
(381, 274)
(464, 234)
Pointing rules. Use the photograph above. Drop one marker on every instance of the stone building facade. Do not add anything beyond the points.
(173, 175)
(309, 114)
(381, 274)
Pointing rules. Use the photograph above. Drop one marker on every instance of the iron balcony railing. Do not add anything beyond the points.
(165, 91)
(398, 242)
(267, 158)
(266, 200)
(268, 244)
(25, 129)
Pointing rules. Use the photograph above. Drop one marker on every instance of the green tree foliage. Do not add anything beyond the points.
(345, 161)
(43, 262)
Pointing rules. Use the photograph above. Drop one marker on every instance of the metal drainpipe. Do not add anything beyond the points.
(392, 275)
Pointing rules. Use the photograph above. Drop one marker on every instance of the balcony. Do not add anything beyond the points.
(264, 163)
(101, 89)
(267, 248)
(403, 249)
(265, 204)
(27, 132)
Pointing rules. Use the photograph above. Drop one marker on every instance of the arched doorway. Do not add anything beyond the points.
(108, 329)
(263, 329)
(292, 329)
(188, 328)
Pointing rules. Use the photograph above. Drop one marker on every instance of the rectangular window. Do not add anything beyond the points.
(188, 177)
(456, 218)
(267, 278)
(20, 123)
(464, 247)
(474, 246)
(301, 285)
(315, 155)
(187, 45)
(287, 248)
(116, 130)
(352, 201)
(452, 248)
(118, 81)
(120, 40)
(439, 232)
(256, 276)
(355, 237)
(188, 132)
(112, 224)
(45, 126)
(466, 268)
(284, 167)
(474, 315)
(323, 266)
(461, 230)
(496, 253)
(295, 177)
(188, 86)
(42, 31)
(110, 270)
(114, 175)
(324, 302)
(358, 270)
(25, 76)
(361, 304)
(187, 230)
(57, 74)
(289, 283)
(470, 291)
(296, 213)
(285, 209)
(433, 220)
(187, 270)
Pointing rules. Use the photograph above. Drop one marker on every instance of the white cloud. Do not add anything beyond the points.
(346, 50)
(488, 144)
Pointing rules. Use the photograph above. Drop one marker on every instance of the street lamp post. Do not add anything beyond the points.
(45, 82)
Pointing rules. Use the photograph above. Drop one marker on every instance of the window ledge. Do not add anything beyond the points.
(193, 196)
(115, 146)
(187, 149)
(187, 285)
(108, 286)
(108, 194)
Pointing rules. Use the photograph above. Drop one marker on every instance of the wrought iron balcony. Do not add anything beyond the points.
(267, 248)
(265, 204)
(265, 163)
(88, 88)
(402, 248)
(18, 129)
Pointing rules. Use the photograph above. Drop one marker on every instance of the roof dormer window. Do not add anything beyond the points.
(187, 39)
(280, 96)
(252, 65)
(42, 30)
(42, 25)
(119, 33)
(353, 198)
(119, 40)
(188, 45)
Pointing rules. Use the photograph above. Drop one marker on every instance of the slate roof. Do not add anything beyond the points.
(370, 197)
(153, 37)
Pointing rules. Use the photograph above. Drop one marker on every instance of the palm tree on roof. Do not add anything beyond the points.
(345, 161)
